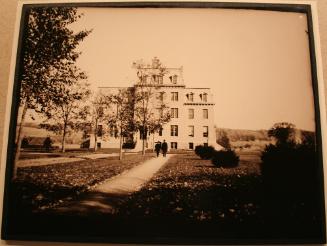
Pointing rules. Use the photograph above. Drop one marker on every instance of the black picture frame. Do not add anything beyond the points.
(282, 7)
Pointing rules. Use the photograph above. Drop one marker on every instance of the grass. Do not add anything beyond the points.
(193, 189)
(48, 186)
(188, 200)
(24, 155)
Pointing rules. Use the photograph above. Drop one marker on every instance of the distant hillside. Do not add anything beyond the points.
(33, 130)
(243, 135)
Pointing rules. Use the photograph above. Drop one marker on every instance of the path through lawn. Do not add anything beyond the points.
(50, 185)
(107, 198)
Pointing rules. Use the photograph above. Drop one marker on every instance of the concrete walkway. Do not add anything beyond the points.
(57, 160)
(107, 197)
(133, 179)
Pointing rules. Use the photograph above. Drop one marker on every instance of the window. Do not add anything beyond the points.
(100, 112)
(173, 145)
(205, 113)
(190, 97)
(113, 132)
(190, 145)
(160, 112)
(99, 145)
(191, 113)
(160, 80)
(174, 96)
(175, 79)
(205, 97)
(143, 133)
(191, 131)
(144, 78)
(205, 144)
(205, 131)
(161, 96)
(174, 112)
(154, 78)
(160, 131)
(99, 131)
(145, 94)
(173, 130)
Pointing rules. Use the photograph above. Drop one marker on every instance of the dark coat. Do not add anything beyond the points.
(157, 147)
(164, 147)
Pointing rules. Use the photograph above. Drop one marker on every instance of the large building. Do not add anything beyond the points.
(191, 111)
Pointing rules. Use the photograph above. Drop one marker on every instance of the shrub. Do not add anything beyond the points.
(198, 149)
(290, 181)
(25, 142)
(47, 143)
(129, 145)
(225, 158)
(205, 152)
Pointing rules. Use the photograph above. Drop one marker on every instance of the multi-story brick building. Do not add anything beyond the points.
(191, 111)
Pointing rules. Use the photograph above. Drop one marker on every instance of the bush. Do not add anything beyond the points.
(47, 143)
(25, 142)
(225, 158)
(205, 152)
(198, 149)
(290, 180)
(129, 145)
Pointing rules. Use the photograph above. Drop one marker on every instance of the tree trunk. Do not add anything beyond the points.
(153, 142)
(63, 148)
(143, 141)
(19, 141)
(95, 135)
(121, 145)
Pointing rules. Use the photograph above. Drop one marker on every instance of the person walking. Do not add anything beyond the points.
(157, 148)
(164, 147)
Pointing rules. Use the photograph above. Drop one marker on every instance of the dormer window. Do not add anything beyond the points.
(205, 97)
(155, 78)
(175, 79)
(144, 78)
(190, 97)
(160, 80)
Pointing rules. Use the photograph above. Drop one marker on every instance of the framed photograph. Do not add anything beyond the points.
(165, 123)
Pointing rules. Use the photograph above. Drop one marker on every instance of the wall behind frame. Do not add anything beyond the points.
(7, 23)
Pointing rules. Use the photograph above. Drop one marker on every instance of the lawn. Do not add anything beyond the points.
(190, 191)
(189, 201)
(26, 154)
(41, 187)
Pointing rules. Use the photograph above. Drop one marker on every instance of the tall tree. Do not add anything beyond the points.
(283, 133)
(95, 114)
(123, 120)
(148, 108)
(49, 44)
(66, 112)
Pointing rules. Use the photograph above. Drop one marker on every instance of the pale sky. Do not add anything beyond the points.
(255, 62)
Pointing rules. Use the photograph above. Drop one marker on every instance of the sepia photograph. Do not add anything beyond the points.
(193, 123)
